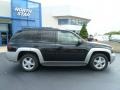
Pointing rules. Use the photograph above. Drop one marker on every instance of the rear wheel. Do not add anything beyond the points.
(29, 62)
(99, 62)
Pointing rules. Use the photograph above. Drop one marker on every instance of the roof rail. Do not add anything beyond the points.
(30, 28)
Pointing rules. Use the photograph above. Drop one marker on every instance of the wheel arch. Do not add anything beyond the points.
(26, 52)
(37, 52)
(93, 51)
(102, 52)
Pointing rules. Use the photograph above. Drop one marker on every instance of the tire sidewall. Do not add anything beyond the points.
(35, 60)
(92, 61)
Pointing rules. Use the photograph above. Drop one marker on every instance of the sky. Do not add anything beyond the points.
(104, 14)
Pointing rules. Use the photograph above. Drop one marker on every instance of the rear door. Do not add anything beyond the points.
(47, 44)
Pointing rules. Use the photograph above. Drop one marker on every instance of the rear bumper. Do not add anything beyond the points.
(112, 57)
(11, 56)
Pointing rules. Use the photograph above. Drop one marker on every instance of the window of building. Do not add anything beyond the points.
(77, 22)
(71, 21)
(63, 21)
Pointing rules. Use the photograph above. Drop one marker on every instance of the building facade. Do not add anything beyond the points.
(62, 17)
(18, 14)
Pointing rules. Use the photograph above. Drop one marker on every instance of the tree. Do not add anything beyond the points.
(83, 32)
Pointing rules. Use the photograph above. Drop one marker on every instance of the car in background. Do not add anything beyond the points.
(115, 38)
(101, 38)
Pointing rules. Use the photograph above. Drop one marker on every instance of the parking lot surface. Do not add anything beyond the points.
(12, 77)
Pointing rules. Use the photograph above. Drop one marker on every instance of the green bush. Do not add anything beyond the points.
(83, 32)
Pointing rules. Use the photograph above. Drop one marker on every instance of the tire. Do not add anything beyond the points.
(98, 62)
(29, 62)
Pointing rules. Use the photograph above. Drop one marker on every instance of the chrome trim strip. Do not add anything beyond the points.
(64, 63)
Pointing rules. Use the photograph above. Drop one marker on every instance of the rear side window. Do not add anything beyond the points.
(45, 36)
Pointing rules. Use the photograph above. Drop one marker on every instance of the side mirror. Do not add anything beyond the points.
(79, 42)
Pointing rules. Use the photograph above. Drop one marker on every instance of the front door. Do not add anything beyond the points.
(67, 48)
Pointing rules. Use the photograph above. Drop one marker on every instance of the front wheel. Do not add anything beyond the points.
(29, 62)
(99, 62)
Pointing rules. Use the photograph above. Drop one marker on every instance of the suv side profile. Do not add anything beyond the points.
(54, 47)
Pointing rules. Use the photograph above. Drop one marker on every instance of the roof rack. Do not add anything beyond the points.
(31, 28)
(36, 29)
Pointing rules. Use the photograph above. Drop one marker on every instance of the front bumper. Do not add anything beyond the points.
(112, 57)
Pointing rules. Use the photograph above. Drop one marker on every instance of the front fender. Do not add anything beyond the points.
(89, 55)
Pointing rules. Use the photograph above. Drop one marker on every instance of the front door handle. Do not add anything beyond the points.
(59, 48)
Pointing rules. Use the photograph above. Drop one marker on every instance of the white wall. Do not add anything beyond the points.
(70, 27)
(48, 19)
(48, 14)
(5, 8)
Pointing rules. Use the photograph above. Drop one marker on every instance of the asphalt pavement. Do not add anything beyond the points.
(12, 77)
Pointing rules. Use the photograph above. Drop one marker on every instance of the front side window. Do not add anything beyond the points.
(67, 38)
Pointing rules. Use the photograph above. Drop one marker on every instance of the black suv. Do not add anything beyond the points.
(53, 47)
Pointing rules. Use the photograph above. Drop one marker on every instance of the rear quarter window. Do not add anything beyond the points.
(22, 36)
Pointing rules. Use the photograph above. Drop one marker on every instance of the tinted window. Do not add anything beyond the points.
(22, 36)
(46, 36)
(67, 38)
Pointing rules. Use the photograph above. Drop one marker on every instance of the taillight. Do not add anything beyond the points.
(10, 47)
